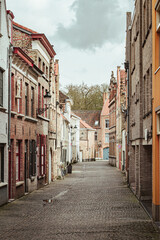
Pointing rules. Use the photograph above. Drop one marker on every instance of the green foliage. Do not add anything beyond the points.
(85, 97)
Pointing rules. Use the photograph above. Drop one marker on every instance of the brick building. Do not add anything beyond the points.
(5, 61)
(104, 123)
(140, 98)
(34, 140)
(120, 118)
(112, 120)
(93, 119)
(22, 155)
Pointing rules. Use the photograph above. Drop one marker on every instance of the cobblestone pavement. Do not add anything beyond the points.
(93, 203)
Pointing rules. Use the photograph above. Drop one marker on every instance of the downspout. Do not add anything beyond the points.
(9, 109)
(9, 94)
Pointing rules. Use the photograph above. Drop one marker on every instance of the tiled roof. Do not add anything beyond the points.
(89, 116)
(62, 97)
(24, 28)
(84, 125)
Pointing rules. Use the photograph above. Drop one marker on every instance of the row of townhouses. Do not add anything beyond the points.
(40, 136)
(134, 107)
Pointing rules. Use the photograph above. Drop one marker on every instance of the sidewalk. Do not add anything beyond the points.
(94, 203)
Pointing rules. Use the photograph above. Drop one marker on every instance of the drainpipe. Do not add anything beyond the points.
(9, 107)
(9, 94)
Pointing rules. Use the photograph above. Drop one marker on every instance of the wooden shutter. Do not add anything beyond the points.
(34, 158)
(38, 155)
(30, 159)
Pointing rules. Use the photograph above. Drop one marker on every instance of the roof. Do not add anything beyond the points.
(105, 109)
(89, 116)
(85, 125)
(62, 97)
(24, 28)
(37, 36)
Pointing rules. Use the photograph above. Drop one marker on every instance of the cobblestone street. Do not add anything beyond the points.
(92, 203)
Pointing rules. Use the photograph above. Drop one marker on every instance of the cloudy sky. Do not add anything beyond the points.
(88, 35)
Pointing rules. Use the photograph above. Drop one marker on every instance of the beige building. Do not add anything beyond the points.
(87, 142)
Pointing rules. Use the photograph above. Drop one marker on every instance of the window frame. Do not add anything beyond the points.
(18, 158)
(1, 163)
(1, 86)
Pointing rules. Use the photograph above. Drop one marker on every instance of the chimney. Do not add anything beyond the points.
(105, 96)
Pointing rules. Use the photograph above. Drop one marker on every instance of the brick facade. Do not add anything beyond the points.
(139, 54)
(112, 120)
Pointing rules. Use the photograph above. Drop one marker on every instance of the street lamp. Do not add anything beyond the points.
(47, 98)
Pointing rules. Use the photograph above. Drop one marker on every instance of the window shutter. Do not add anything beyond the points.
(38, 154)
(34, 159)
(30, 158)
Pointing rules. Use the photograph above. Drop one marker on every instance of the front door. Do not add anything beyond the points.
(106, 153)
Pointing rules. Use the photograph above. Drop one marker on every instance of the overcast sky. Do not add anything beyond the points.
(88, 35)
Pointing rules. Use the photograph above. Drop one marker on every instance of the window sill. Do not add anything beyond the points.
(30, 119)
(43, 118)
(19, 115)
(13, 113)
(32, 178)
(41, 177)
(18, 184)
(3, 184)
(2, 109)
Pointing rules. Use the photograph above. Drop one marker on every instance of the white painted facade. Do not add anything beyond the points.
(5, 22)
(75, 123)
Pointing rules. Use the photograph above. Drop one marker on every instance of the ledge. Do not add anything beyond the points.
(18, 184)
(13, 113)
(2, 109)
(41, 177)
(43, 118)
(30, 119)
(3, 184)
(20, 115)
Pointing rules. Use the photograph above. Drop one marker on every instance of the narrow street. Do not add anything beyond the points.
(92, 203)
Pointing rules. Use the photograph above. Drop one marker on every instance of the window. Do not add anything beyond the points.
(19, 98)
(107, 123)
(46, 71)
(39, 63)
(41, 154)
(106, 137)
(43, 99)
(39, 99)
(158, 123)
(12, 92)
(96, 136)
(96, 123)
(32, 158)
(43, 67)
(1, 164)
(18, 161)
(32, 102)
(26, 99)
(1, 87)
